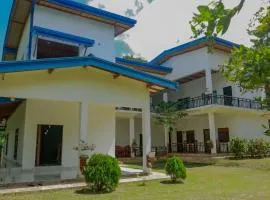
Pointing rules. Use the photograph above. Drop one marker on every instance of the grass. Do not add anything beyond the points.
(245, 179)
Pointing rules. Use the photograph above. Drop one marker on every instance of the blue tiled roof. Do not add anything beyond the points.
(70, 62)
(193, 43)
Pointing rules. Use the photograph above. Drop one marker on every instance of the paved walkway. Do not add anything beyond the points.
(153, 176)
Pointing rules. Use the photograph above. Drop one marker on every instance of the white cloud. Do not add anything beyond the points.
(163, 22)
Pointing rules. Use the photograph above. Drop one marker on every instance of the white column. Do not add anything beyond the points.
(131, 134)
(209, 82)
(146, 130)
(166, 133)
(212, 127)
(166, 129)
(83, 128)
(84, 121)
(165, 97)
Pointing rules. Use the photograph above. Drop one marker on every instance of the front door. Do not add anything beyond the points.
(49, 145)
(227, 92)
(206, 137)
(223, 140)
(170, 140)
(179, 138)
(190, 141)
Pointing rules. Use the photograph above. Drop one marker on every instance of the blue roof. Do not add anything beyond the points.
(94, 11)
(144, 65)
(63, 36)
(70, 62)
(165, 54)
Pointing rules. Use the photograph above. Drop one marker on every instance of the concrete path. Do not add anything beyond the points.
(153, 176)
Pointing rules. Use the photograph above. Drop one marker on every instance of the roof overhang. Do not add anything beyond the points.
(144, 66)
(153, 83)
(215, 42)
(22, 8)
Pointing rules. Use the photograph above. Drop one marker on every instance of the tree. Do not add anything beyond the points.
(249, 67)
(169, 113)
(136, 58)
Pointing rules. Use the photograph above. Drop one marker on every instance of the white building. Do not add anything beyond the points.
(62, 85)
(217, 109)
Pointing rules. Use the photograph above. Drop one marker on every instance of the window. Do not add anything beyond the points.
(16, 140)
(51, 49)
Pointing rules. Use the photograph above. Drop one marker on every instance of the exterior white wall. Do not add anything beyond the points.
(23, 46)
(188, 63)
(122, 132)
(243, 125)
(102, 33)
(101, 129)
(51, 113)
(196, 61)
(16, 121)
(76, 84)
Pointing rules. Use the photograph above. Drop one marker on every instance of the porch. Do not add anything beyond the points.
(62, 102)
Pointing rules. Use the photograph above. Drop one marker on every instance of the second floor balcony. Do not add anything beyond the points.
(214, 99)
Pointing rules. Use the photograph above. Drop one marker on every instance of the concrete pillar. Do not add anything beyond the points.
(209, 82)
(165, 97)
(166, 134)
(212, 127)
(83, 128)
(146, 130)
(131, 134)
(84, 121)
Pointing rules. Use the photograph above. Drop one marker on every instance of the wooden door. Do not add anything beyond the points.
(179, 138)
(190, 137)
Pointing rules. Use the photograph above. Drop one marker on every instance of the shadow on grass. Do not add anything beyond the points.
(86, 191)
(160, 165)
(169, 182)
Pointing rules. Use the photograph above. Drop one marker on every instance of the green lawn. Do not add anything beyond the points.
(249, 179)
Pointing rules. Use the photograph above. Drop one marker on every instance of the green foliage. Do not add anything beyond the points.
(258, 148)
(176, 169)
(102, 173)
(248, 67)
(213, 19)
(168, 113)
(3, 138)
(238, 147)
(136, 58)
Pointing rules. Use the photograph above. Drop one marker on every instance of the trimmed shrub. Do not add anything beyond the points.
(238, 147)
(176, 169)
(258, 148)
(102, 173)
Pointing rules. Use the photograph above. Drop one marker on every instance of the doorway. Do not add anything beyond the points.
(190, 141)
(223, 140)
(227, 92)
(49, 145)
(179, 138)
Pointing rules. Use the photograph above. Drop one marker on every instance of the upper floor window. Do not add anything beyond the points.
(55, 44)
(51, 49)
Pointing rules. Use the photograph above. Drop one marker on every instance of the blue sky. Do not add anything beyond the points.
(4, 14)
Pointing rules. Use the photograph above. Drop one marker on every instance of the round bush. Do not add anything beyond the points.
(102, 173)
(238, 147)
(176, 169)
(258, 148)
